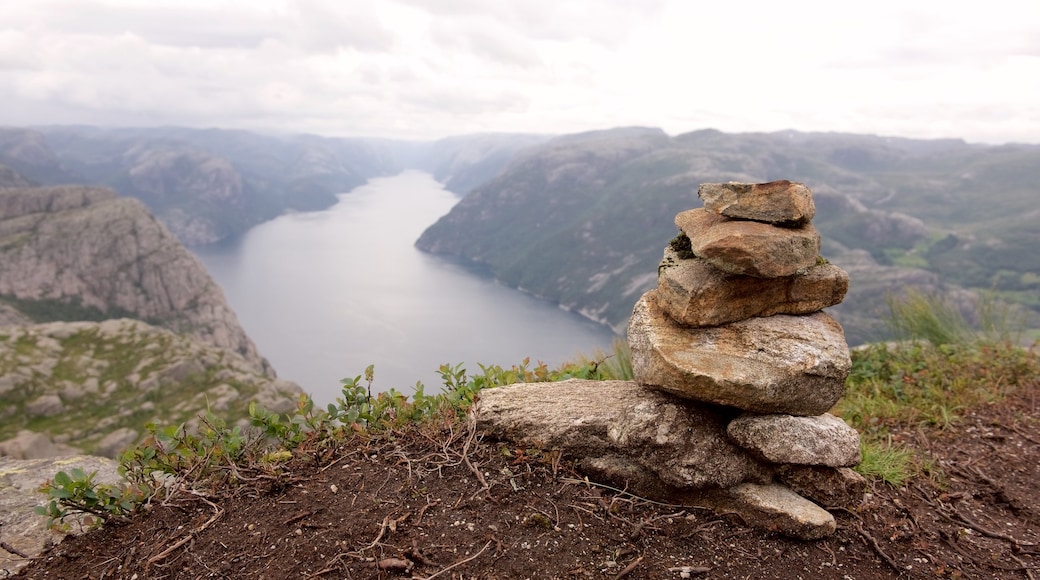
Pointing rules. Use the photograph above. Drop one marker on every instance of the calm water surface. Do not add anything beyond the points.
(325, 294)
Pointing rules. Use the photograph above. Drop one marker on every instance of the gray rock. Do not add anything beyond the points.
(115, 443)
(632, 435)
(32, 445)
(773, 202)
(777, 508)
(20, 481)
(44, 406)
(695, 293)
(747, 247)
(780, 364)
(827, 486)
(821, 440)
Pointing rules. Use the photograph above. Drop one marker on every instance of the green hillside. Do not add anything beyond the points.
(582, 220)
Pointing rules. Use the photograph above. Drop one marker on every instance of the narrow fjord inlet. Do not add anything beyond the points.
(325, 294)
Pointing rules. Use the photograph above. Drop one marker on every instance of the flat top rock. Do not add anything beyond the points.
(776, 202)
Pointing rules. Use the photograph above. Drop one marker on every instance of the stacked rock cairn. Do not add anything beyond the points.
(736, 320)
(735, 369)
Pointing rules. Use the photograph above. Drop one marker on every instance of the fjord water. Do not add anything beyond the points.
(324, 294)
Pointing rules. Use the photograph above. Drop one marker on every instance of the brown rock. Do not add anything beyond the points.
(747, 247)
(827, 486)
(695, 293)
(776, 202)
(780, 364)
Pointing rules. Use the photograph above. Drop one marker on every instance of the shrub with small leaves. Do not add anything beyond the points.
(77, 494)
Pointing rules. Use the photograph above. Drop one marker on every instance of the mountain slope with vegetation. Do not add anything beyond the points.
(582, 220)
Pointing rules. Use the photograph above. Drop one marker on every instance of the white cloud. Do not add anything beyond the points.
(429, 69)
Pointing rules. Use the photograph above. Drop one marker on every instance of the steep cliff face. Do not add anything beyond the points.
(81, 253)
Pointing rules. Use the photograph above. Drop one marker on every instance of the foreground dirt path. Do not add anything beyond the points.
(449, 505)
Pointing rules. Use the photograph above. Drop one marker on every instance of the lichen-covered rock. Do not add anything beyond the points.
(695, 293)
(821, 440)
(780, 364)
(750, 248)
(632, 435)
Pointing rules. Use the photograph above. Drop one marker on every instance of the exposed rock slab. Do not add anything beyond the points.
(827, 486)
(635, 436)
(747, 247)
(821, 440)
(780, 364)
(19, 484)
(695, 293)
(775, 202)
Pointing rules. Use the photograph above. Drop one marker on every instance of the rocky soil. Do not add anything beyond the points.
(449, 503)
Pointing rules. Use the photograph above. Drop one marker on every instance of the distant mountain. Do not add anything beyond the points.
(582, 219)
(210, 184)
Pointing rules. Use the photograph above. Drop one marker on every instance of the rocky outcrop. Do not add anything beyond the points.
(82, 253)
(106, 380)
(20, 480)
(731, 416)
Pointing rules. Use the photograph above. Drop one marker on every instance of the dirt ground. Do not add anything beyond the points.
(451, 505)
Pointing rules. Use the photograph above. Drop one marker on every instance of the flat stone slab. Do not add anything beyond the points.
(781, 364)
(747, 247)
(622, 431)
(821, 440)
(695, 293)
(777, 508)
(775, 202)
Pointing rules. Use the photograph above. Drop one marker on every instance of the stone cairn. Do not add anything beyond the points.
(735, 368)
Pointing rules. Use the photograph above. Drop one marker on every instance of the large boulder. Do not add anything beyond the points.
(628, 434)
(780, 364)
(695, 293)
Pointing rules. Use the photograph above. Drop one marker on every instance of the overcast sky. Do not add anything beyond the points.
(433, 68)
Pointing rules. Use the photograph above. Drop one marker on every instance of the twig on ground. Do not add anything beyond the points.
(471, 424)
(460, 562)
(877, 548)
(13, 550)
(628, 569)
(988, 532)
(191, 534)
